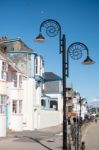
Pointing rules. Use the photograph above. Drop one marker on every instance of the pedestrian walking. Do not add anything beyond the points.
(83, 146)
(69, 122)
(95, 120)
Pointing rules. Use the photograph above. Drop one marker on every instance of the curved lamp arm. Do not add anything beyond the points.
(75, 50)
(53, 28)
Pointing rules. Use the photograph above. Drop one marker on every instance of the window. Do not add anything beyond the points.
(3, 75)
(36, 65)
(20, 106)
(20, 81)
(15, 80)
(14, 106)
(4, 68)
(17, 106)
(54, 105)
(69, 108)
(2, 103)
(43, 103)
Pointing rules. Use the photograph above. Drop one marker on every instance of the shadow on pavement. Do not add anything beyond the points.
(40, 143)
(35, 140)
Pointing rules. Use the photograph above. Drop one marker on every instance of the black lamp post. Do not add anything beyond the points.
(79, 124)
(53, 29)
(80, 104)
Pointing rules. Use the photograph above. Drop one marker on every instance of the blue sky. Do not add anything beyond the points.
(79, 20)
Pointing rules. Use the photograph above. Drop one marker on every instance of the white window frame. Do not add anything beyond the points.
(4, 70)
(2, 103)
(14, 106)
(20, 81)
(15, 80)
(20, 106)
(17, 106)
(36, 65)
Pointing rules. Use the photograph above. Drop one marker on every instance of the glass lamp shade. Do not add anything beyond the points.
(40, 38)
(88, 61)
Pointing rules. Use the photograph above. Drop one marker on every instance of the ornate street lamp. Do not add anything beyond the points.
(53, 29)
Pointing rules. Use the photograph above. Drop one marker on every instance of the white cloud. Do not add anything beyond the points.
(95, 100)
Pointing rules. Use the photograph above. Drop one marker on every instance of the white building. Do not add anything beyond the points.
(80, 106)
(21, 88)
(3, 95)
(52, 100)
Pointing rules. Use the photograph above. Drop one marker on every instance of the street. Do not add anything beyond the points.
(91, 136)
(48, 139)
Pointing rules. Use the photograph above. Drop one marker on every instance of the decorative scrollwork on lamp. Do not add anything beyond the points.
(52, 27)
(75, 50)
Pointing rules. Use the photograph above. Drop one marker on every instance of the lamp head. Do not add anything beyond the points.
(40, 38)
(88, 61)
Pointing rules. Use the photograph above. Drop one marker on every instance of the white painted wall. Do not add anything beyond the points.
(16, 94)
(2, 87)
(16, 122)
(14, 119)
(49, 118)
(2, 125)
(0, 67)
(28, 100)
(38, 96)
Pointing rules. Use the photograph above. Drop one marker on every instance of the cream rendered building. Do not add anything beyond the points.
(21, 89)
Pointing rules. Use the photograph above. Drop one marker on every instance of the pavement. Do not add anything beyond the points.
(91, 136)
(43, 139)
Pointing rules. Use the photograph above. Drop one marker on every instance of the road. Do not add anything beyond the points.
(91, 136)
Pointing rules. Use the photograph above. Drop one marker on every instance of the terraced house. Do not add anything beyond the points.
(21, 88)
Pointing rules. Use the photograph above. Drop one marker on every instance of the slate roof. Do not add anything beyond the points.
(7, 41)
(50, 76)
